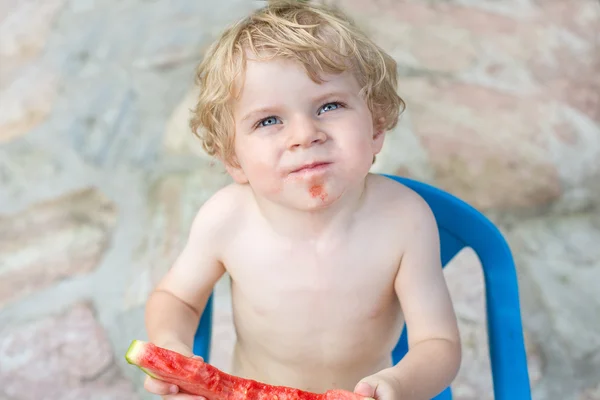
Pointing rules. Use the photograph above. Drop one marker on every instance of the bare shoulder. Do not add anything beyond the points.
(397, 200)
(222, 212)
(198, 266)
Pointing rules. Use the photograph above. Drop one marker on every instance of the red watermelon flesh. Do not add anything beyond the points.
(194, 376)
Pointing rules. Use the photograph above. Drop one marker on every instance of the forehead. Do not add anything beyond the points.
(281, 78)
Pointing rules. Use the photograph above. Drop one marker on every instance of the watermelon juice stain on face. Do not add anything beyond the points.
(318, 191)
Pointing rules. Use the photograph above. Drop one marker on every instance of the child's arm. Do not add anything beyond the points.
(175, 306)
(434, 355)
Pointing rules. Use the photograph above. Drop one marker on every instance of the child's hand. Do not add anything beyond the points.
(379, 387)
(169, 391)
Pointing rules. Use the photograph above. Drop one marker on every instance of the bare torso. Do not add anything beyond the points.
(320, 313)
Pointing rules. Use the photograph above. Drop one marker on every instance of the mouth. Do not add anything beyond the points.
(312, 167)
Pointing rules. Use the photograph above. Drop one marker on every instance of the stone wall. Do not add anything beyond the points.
(100, 176)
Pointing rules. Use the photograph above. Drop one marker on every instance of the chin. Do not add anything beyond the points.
(318, 205)
(318, 200)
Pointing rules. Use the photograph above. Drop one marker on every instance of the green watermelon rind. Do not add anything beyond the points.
(133, 355)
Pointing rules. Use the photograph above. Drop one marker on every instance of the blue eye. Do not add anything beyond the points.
(268, 121)
(330, 107)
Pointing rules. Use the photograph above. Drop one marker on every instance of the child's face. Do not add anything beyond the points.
(300, 143)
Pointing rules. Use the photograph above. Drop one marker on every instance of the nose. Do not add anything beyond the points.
(305, 133)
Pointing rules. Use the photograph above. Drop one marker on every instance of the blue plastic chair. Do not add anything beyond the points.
(460, 226)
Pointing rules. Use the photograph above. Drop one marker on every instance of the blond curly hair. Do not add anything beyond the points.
(322, 39)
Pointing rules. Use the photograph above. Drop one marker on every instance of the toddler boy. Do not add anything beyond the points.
(327, 261)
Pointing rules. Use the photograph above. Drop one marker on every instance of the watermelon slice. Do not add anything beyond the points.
(194, 376)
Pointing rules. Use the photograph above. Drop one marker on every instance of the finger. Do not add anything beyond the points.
(365, 389)
(159, 387)
(177, 347)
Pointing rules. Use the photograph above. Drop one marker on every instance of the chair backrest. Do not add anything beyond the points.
(460, 225)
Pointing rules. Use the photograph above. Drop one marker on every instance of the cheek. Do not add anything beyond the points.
(253, 157)
(260, 150)
(358, 155)
(259, 164)
(359, 147)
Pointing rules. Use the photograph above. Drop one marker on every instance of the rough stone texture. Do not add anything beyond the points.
(495, 114)
(559, 260)
(576, 83)
(575, 262)
(504, 122)
(26, 90)
(52, 241)
(24, 106)
(121, 90)
(173, 201)
(486, 168)
(23, 165)
(591, 394)
(65, 356)
(179, 140)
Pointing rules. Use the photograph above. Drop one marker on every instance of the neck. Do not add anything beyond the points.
(305, 224)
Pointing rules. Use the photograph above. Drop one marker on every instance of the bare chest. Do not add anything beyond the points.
(311, 281)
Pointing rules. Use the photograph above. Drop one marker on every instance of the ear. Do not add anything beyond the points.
(378, 135)
(236, 172)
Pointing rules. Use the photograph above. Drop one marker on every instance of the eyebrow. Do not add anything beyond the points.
(331, 96)
(253, 113)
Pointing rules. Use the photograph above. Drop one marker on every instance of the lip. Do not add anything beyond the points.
(312, 167)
